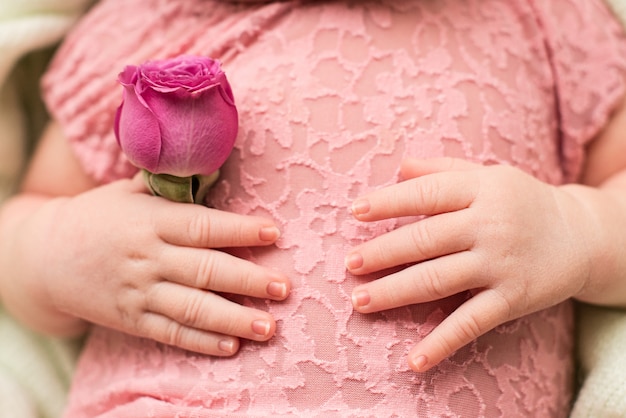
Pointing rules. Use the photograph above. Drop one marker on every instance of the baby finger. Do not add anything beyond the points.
(478, 315)
(221, 272)
(210, 312)
(423, 282)
(425, 239)
(427, 195)
(202, 227)
(164, 330)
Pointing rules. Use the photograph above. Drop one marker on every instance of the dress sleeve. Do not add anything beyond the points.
(589, 64)
(81, 92)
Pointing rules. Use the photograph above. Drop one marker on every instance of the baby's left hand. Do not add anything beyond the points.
(513, 240)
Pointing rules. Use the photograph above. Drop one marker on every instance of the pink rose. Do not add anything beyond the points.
(178, 116)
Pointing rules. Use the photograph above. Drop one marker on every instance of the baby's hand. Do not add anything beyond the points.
(493, 230)
(118, 257)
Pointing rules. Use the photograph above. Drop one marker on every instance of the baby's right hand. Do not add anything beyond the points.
(118, 257)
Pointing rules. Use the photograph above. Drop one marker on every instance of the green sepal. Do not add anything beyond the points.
(191, 189)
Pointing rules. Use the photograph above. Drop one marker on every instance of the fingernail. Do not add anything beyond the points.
(420, 362)
(277, 289)
(261, 327)
(227, 346)
(360, 207)
(354, 261)
(360, 298)
(269, 233)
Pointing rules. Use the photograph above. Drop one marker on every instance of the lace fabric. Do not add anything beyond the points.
(332, 96)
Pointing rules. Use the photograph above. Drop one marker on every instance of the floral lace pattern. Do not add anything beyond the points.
(332, 95)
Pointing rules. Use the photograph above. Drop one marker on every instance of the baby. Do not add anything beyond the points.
(461, 272)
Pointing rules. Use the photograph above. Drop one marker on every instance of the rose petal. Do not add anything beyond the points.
(193, 141)
(138, 132)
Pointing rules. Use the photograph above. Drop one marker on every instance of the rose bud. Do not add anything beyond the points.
(177, 120)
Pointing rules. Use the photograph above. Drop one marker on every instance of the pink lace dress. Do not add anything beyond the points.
(332, 95)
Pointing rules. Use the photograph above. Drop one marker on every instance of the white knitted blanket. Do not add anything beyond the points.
(619, 8)
(35, 371)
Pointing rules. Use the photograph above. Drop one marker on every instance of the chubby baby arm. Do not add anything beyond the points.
(116, 256)
(519, 245)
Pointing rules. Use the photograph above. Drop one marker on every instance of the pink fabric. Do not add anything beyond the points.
(331, 97)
